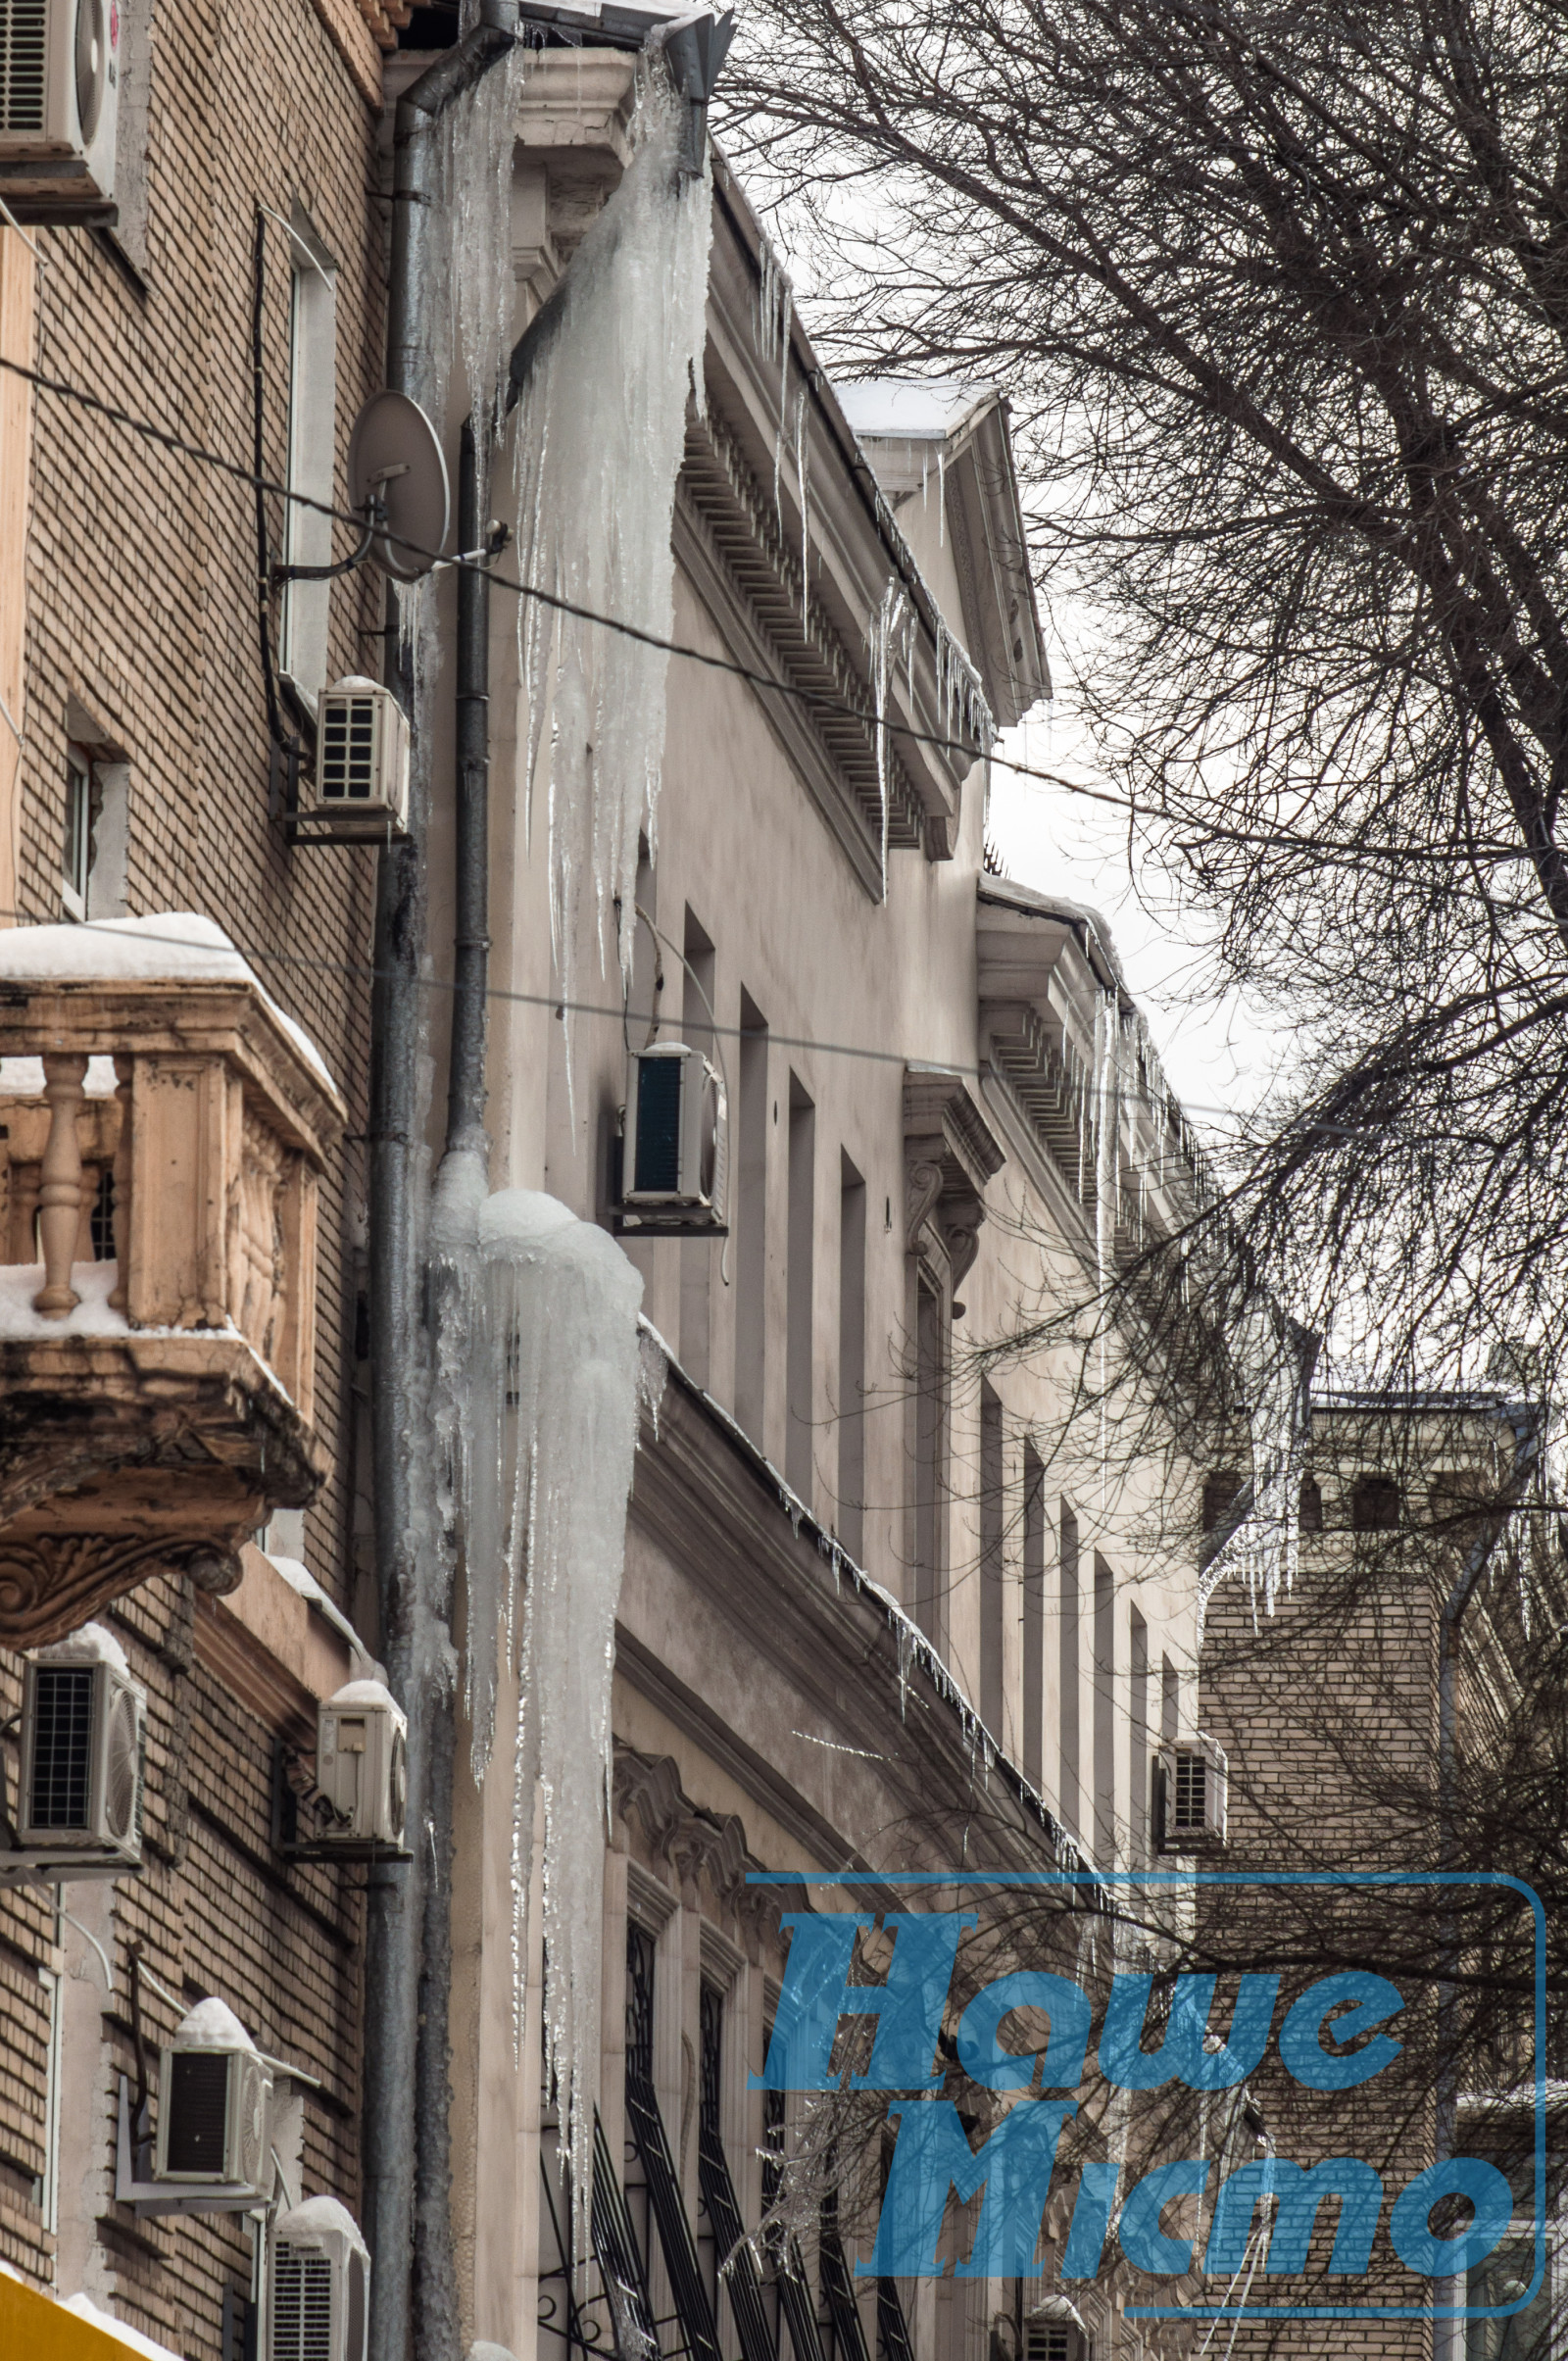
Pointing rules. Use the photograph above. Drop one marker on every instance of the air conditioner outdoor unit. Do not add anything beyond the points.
(676, 1154)
(83, 1716)
(362, 760)
(214, 2094)
(59, 97)
(1191, 1781)
(360, 1746)
(318, 2297)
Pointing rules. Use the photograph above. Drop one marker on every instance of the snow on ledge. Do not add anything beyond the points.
(912, 410)
(105, 2322)
(172, 946)
(94, 1282)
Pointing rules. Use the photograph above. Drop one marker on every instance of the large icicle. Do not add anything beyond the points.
(541, 1381)
(892, 623)
(600, 436)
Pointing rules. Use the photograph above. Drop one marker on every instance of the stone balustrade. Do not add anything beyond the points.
(162, 1139)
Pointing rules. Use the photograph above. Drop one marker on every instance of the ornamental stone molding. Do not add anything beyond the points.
(696, 1843)
(950, 1154)
(161, 1146)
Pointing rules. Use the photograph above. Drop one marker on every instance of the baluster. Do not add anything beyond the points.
(59, 1192)
(117, 1301)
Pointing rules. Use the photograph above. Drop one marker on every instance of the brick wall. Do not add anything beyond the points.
(141, 611)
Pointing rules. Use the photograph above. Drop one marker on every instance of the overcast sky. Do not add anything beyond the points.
(1219, 1055)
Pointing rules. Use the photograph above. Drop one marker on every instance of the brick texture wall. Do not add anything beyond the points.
(141, 611)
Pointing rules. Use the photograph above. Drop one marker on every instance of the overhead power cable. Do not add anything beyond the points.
(1483, 852)
(364, 970)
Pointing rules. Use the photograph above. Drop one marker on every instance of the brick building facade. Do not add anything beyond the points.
(129, 664)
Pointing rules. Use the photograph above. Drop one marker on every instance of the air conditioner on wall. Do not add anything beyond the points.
(675, 1148)
(59, 100)
(362, 761)
(79, 1804)
(1191, 1795)
(361, 1780)
(319, 2271)
(214, 2094)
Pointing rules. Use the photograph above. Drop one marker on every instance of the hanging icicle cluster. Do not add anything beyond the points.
(540, 1379)
(600, 430)
(890, 638)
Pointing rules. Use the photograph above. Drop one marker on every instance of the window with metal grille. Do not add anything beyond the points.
(721, 2226)
(639, 2001)
(846, 2331)
(197, 2100)
(61, 1746)
(348, 761)
(302, 2305)
(23, 50)
(1191, 1773)
(694, 2311)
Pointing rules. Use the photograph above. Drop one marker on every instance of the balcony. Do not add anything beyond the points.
(163, 1131)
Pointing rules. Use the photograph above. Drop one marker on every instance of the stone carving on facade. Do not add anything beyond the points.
(950, 1154)
(696, 1843)
(152, 1417)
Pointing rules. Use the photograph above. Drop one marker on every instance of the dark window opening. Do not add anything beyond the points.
(1375, 1504)
(1220, 1495)
(1311, 1513)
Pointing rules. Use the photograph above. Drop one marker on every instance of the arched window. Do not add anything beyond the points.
(1219, 1497)
(1309, 1515)
(1375, 1504)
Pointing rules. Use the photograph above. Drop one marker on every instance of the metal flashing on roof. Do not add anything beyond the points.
(619, 24)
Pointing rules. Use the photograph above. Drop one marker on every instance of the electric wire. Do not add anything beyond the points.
(364, 970)
(1320, 847)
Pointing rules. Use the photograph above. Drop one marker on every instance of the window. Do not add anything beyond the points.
(1034, 1619)
(1219, 1498)
(852, 1358)
(751, 1221)
(801, 1282)
(312, 437)
(1311, 1513)
(1376, 1505)
(1138, 1740)
(77, 865)
(1067, 1780)
(1104, 1713)
(930, 1448)
(993, 1592)
(697, 1254)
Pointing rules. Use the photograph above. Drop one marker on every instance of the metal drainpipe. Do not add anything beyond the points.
(435, 2290)
(427, 1964)
(466, 1091)
(396, 1890)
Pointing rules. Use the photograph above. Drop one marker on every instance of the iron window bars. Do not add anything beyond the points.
(736, 2262)
(694, 2314)
(788, 2268)
(630, 2329)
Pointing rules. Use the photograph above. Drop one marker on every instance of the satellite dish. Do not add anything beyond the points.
(394, 456)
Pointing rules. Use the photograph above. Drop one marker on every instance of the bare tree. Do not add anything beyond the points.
(1281, 298)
